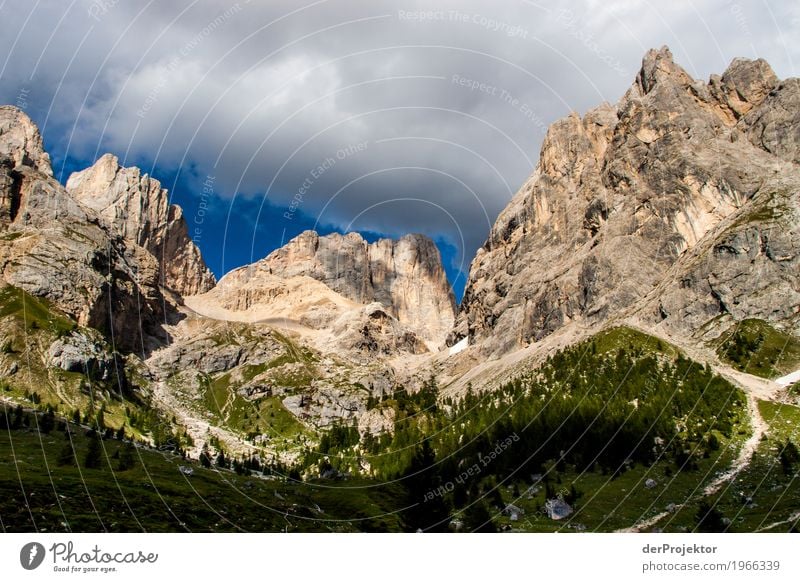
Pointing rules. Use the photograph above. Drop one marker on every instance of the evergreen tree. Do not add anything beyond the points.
(205, 457)
(428, 510)
(478, 519)
(100, 420)
(789, 456)
(127, 459)
(47, 422)
(67, 454)
(19, 416)
(709, 519)
(93, 457)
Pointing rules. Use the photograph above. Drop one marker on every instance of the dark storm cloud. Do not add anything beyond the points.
(384, 116)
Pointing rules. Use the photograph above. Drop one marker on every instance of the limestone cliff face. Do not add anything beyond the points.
(54, 248)
(746, 268)
(405, 276)
(622, 199)
(136, 207)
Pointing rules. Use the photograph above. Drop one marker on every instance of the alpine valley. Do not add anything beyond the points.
(622, 358)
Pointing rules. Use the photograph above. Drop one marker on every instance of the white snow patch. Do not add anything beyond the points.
(787, 380)
(459, 347)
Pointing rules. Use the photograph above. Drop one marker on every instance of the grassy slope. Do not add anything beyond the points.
(28, 325)
(607, 502)
(625, 338)
(614, 501)
(755, 347)
(155, 496)
(33, 311)
(265, 415)
(761, 495)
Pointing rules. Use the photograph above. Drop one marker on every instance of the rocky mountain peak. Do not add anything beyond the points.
(658, 66)
(751, 79)
(56, 248)
(741, 88)
(405, 276)
(21, 142)
(134, 204)
(622, 197)
(136, 207)
(774, 125)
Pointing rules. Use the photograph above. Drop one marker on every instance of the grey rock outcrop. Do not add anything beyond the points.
(747, 268)
(370, 331)
(135, 206)
(79, 352)
(216, 347)
(775, 126)
(623, 198)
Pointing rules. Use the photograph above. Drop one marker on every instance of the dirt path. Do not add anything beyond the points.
(792, 519)
(788, 379)
(223, 412)
(646, 524)
(754, 387)
(747, 451)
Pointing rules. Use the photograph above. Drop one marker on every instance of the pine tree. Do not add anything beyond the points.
(93, 457)
(477, 519)
(127, 459)
(19, 416)
(789, 456)
(100, 420)
(422, 481)
(47, 422)
(709, 519)
(67, 454)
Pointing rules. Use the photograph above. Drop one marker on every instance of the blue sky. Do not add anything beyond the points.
(232, 231)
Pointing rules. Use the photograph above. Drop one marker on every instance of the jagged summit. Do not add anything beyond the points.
(404, 276)
(100, 249)
(634, 207)
(658, 66)
(747, 82)
(21, 142)
(136, 207)
(55, 248)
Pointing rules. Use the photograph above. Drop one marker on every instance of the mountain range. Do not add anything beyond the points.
(656, 231)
